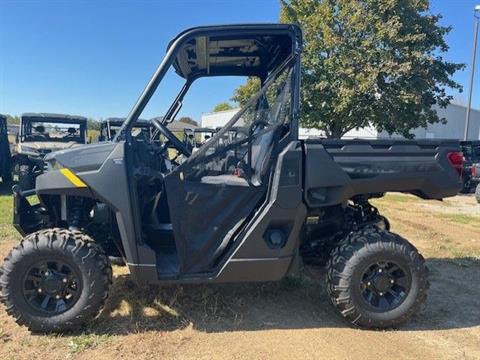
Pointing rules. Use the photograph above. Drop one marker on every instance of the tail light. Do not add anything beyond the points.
(474, 171)
(456, 160)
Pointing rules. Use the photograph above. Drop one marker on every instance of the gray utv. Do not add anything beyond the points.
(41, 134)
(5, 155)
(283, 202)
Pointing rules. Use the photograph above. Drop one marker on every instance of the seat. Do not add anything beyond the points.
(227, 179)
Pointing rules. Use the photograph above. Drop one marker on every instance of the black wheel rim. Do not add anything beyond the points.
(385, 285)
(51, 287)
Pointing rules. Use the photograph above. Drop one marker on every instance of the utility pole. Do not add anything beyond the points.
(476, 15)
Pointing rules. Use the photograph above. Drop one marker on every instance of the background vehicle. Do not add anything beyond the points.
(5, 156)
(200, 221)
(41, 134)
(110, 127)
(475, 179)
(195, 138)
(471, 153)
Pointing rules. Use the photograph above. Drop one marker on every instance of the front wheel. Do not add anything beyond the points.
(376, 279)
(55, 280)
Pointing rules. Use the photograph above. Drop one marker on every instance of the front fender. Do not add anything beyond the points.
(61, 182)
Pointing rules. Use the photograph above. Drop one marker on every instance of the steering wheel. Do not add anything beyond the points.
(254, 126)
(177, 144)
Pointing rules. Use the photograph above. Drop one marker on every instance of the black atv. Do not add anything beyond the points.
(5, 155)
(199, 221)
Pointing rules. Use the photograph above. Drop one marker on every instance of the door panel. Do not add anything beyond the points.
(215, 192)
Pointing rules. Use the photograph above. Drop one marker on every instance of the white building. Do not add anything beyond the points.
(455, 126)
(453, 129)
(219, 118)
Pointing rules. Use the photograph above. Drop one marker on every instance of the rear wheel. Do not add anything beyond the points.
(376, 279)
(55, 280)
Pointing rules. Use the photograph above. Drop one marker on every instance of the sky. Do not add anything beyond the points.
(93, 58)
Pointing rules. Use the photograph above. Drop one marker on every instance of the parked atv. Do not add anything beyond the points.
(471, 153)
(475, 179)
(195, 138)
(39, 135)
(110, 127)
(199, 221)
(5, 156)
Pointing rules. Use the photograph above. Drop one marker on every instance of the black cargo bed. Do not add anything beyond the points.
(336, 170)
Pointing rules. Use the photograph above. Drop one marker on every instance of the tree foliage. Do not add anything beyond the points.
(244, 92)
(93, 124)
(369, 62)
(13, 120)
(188, 120)
(223, 107)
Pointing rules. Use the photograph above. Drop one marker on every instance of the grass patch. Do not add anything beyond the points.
(461, 219)
(6, 206)
(85, 342)
(4, 336)
(399, 198)
(33, 199)
(6, 211)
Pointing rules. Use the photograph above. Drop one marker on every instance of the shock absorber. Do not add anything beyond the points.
(76, 213)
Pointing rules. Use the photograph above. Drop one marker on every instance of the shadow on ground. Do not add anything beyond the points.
(295, 303)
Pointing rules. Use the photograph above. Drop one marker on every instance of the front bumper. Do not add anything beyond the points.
(27, 218)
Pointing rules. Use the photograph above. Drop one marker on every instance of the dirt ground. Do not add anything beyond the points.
(286, 320)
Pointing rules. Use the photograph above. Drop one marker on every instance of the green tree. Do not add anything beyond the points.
(188, 120)
(13, 120)
(93, 124)
(244, 92)
(222, 107)
(369, 62)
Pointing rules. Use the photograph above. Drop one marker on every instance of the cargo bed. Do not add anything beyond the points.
(336, 170)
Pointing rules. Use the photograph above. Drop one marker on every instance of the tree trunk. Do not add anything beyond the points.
(334, 132)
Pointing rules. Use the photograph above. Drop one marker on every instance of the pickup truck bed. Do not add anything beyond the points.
(336, 170)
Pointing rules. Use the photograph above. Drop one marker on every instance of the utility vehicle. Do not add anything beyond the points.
(471, 155)
(41, 134)
(199, 221)
(196, 137)
(5, 156)
(110, 126)
(475, 179)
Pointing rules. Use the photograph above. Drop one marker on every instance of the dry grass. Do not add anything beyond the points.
(289, 319)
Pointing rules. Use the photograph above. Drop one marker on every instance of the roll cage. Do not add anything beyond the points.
(231, 50)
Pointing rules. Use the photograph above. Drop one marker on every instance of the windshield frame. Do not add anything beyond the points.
(26, 129)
